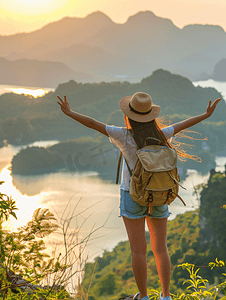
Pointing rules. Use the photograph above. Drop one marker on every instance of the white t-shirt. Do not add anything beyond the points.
(123, 139)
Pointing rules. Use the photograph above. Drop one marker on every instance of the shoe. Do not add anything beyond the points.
(164, 298)
(135, 297)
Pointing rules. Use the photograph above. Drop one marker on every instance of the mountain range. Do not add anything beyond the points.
(105, 50)
(34, 73)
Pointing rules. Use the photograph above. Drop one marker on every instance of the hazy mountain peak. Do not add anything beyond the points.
(98, 15)
(69, 22)
(142, 16)
(149, 18)
(203, 28)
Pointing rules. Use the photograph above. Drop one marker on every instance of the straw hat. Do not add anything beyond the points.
(139, 107)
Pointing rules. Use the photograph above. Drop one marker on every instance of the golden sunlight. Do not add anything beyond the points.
(26, 205)
(35, 93)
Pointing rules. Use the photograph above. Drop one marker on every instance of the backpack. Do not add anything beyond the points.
(154, 179)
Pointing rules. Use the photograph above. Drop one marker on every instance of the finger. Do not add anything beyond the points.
(59, 98)
(65, 99)
(210, 101)
(216, 101)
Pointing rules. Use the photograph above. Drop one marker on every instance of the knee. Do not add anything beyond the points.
(159, 250)
(139, 248)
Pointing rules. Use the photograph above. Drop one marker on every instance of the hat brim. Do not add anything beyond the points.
(124, 105)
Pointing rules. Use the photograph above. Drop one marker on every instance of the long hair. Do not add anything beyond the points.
(142, 131)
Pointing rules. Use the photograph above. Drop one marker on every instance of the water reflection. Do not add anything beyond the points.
(95, 202)
(24, 203)
(99, 201)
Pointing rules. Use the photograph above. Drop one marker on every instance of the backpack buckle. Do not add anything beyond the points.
(150, 200)
(169, 194)
(150, 197)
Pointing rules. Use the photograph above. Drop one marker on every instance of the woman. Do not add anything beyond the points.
(140, 118)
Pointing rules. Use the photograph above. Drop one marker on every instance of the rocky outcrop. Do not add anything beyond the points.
(206, 235)
(18, 283)
(212, 215)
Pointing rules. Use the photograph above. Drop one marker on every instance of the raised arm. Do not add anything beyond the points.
(194, 120)
(84, 120)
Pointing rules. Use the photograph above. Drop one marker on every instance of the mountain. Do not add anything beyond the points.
(131, 51)
(37, 73)
(219, 72)
(63, 33)
(142, 32)
(145, 42)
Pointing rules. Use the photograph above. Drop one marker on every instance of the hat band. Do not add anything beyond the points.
(138, 112)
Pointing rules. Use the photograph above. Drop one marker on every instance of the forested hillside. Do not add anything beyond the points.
(196, 237)
(43, 120)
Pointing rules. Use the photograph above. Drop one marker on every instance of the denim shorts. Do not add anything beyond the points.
(132, 210)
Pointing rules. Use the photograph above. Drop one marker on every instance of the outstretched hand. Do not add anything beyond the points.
(65, 107)
(194, 120)
(211, 107)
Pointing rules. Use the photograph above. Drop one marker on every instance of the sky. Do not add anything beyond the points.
(29, 15)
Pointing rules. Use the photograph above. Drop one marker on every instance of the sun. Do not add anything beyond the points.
(33, 7)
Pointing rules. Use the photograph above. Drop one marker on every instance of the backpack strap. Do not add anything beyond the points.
(170, 192)
(176, 181)
(130, 171)
(179, 198)
(119, 163)
(118, 168)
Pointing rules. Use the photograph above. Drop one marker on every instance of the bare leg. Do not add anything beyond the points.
(136, 233)
(158, 234)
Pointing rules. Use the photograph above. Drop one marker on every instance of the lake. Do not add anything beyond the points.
(218, 85)
(96, 201)
(99, 199)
